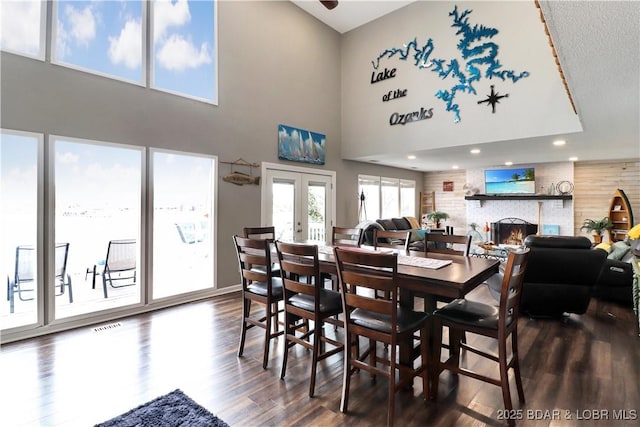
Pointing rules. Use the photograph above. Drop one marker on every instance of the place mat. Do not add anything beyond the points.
(423, 262)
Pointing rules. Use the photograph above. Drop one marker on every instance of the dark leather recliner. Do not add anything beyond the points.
(561, 275)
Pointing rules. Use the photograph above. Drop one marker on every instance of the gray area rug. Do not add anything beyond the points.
(171, 410)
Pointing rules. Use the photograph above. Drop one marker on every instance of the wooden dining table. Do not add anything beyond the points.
(454, 280)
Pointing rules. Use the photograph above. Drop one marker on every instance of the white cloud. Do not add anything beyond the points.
(127, 48)
(67, 158)
(62, 42)
(167, 14)
(83, 24)
(20, 30)
(178, 54)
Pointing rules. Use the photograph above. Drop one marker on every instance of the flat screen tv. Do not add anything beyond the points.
(510, 181)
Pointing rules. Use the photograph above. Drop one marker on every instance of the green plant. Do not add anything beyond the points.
(597, 226)
(437, 216)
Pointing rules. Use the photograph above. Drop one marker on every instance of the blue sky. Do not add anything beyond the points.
(106, 36)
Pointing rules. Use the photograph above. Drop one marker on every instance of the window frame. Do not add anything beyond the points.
(380, 180)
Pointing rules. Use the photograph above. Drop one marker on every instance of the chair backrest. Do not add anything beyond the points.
(299, 261)
(362, 275)
(121, 255)
(444, 244)
(25, 264)
(254, 260)
(398, 239)
(62, 253)
(346, 236)
(511, 292)
(268, 233)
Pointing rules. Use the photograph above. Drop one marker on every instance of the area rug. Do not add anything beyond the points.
(171, 410)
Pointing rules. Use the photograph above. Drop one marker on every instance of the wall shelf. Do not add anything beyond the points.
(519, 197)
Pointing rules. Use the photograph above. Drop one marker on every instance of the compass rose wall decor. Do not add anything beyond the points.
(492, 99)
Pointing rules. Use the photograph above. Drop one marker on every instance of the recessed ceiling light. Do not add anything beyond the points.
(559, 142)
(573, 159)
(454, 167)
(411, 157)
(508, 163)
(475, 151)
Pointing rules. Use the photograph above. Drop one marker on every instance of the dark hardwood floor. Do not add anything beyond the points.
(573, 371)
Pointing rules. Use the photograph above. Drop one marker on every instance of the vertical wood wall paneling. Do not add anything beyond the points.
(451, 202)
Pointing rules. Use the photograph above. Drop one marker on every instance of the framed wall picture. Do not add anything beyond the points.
(300, 145)
(447, 185)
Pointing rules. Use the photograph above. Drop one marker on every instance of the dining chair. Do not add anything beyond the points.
(362, 274)
(447, 244)
(261, 286)
(118, 266)
(341, 236)
(397, 239)
(25, 271)
(268, 233)
(499, 323)
(304, 302)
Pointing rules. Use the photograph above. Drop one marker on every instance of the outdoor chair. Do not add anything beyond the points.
(119, 265)
(362, 274)
(499, 323)
(25, 270)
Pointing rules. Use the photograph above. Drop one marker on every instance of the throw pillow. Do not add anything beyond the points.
(604, 246)
(413, 221)
(634, 233)
(618, 250)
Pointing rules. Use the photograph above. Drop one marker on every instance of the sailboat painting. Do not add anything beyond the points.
(300, 145)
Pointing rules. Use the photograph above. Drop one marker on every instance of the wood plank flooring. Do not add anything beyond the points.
(573, 371)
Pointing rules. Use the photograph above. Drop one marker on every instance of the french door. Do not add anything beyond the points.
(298, 202)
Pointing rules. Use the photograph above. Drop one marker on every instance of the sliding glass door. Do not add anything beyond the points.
(98, 200)
(183, 238)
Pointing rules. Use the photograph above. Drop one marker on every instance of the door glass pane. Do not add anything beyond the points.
(316, 211)
(183, 195)
(100, 36)
(390, 198)
(19, 225)
(97, 212)
(283, 211)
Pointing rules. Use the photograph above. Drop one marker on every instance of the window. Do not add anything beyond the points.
(183, 226)
(19, 170)
(184, 48)
(386, 197)
(22, 29)
(105, 37)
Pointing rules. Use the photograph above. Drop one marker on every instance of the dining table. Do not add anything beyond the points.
(426, 275)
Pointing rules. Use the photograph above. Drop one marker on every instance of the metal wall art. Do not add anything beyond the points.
(479, 60)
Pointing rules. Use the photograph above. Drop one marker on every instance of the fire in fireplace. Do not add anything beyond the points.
(511, 231)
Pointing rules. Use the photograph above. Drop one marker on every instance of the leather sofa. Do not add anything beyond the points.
(403, 223)
(616, 279)
(561, 275)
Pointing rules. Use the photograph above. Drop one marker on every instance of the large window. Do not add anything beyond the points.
(22, 29)
(184, 46)
(183, 225)
(19, 207)
(100, 36)
(385, 197)
(110, 38)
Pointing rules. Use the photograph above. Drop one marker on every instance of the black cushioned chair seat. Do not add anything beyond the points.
(330, 301)
(260, 288)
(407, 320)
(470, 313)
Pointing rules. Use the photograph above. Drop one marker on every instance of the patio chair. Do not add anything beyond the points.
(118, 266)
(25, 270)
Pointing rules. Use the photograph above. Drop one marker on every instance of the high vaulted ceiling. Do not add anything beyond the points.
(598, 44)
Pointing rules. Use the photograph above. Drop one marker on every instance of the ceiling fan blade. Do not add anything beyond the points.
(329, 4)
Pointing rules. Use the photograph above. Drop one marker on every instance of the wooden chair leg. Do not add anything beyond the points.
(504, 375)
(246, 308)
(435, 364)
(516, 365)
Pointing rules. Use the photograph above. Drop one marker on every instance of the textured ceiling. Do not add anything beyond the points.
(598, 44)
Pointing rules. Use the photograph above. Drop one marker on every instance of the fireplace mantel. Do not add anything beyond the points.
(558, 200)
(519, 197)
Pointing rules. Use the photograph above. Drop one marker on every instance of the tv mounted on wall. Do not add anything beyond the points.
(510, 181)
